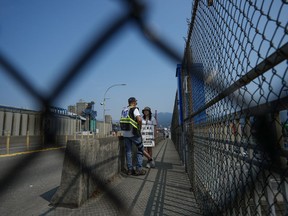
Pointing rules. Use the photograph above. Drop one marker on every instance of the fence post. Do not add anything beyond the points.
(183, 147)
(27, 141)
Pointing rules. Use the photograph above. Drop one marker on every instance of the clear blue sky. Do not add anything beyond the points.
(42, 38)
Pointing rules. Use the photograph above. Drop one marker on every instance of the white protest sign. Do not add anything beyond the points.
(147, 132)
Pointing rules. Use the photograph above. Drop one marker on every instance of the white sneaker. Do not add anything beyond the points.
(152, 163)
(148, 165)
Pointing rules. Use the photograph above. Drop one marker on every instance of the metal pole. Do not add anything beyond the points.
(104, 104)
(104, 120)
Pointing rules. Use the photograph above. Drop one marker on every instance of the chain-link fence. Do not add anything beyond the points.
(230, 121)
(233, 118)
(134, 11)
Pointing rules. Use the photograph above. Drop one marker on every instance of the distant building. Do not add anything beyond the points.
(80, 107)
(108, 119)
(72, 108)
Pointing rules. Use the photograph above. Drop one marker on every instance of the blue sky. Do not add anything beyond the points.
(43, 38)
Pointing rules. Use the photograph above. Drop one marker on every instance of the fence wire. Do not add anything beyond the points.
(135, 11)
(230, 119)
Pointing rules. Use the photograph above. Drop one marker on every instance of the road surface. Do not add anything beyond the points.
(29, 181)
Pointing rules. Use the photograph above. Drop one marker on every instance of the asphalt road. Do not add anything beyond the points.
(28, 181)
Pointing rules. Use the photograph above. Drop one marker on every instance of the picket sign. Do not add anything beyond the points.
(147, 132)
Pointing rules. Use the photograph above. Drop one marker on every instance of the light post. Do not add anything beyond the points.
(104, 104)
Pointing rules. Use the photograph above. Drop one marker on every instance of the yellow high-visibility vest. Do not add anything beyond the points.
(126, 121)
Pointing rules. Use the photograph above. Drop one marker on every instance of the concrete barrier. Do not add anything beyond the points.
(88, 163)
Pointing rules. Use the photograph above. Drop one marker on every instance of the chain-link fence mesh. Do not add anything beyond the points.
(135, 11)
(233, 139)
(232, 100)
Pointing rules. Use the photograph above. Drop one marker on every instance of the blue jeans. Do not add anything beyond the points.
(128, 147)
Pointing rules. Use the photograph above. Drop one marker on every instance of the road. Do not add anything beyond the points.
(32, 182)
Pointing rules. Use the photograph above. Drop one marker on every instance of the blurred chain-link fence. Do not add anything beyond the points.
(134, 11)
(230, 121)
(233, 95)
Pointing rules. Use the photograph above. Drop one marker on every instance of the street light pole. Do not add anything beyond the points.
(104, 104)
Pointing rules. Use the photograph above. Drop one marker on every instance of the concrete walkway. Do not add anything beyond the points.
(164, 190)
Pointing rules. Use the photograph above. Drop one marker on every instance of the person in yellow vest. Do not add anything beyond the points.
(130, 123)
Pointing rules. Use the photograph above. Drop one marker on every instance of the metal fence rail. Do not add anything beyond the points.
(232, 100)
